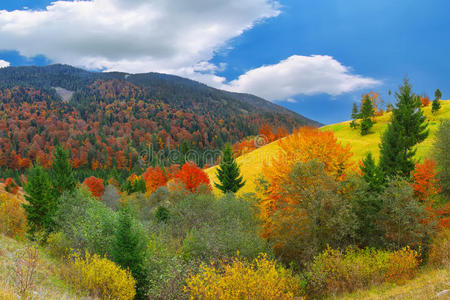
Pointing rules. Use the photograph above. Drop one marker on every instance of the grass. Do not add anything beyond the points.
(48, 283)
(251, 163)
(426, 285)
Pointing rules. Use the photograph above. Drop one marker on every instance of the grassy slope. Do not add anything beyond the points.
(49, 284)
(427, 285)
(251, 163)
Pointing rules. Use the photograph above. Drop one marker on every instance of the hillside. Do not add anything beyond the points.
(251, 163)
(111, 120)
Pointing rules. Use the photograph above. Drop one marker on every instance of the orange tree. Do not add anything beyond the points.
(305, 144)
(95, 185)
(192, 177)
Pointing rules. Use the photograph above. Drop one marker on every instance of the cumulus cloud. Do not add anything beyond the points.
(132, 35)
(300, 75)
(4, 63)
(169, 36)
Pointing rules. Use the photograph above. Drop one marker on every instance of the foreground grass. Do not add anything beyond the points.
(428, 284)
(48, 283)
(251, 163)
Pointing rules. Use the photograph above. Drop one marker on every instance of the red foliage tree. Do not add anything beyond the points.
(154, 178)
(11, 186)
(425, 101)
(192, 176)
(95, 185)
(425, 181)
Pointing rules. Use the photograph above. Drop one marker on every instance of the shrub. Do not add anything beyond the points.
(25, 268)
(111, 197)
(11, 186)
(13, 221)
(259, 279)
(216, 228)
(95, 185)
(86, 222)
(440, 249)
(401, 217)
(336, 271)
(442, 156)
(58, 245)
(100, 277)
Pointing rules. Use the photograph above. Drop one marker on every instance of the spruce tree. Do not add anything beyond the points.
(372, 174)
(228, 172)
(407, 128)
(354, 115)
(436, 105)
(62, 174)
(41, 206)
(367, 114)
(129, 251)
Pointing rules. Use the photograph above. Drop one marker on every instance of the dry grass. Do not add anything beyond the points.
(427, 285)
(48, 283)
(251, 163)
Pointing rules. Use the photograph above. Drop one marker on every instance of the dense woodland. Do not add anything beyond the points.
(111, 123)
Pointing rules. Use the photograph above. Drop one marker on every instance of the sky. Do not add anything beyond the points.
(313, 57)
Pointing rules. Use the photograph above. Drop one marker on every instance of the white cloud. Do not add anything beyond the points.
(300, 75)
(169, 36)
(132, 35)
(4, 63)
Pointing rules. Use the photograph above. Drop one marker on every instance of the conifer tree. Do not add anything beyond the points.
(406, 129)
(228, 172)
(41, 203)
(436, 105)
(354, 115)
(129, 250)
(367, 113)
(372, 174)
(62, 176)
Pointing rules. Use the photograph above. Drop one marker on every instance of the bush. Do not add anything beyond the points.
(58, 245)
(401, 217)
(259, 279)
(440, 249)
(13, 221)
(167, 271)
(86, 222)
(100, 277)
(336, 271)
(216, 228)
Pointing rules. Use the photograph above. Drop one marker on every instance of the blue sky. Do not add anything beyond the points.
(314, 57)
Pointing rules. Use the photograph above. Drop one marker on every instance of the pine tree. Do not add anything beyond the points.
(228, 172)
(41, 203)
(62, 176)
(354, 115)
(367, 113)
(129, 251)
(406, 129)
(436, 105)
(372, 174)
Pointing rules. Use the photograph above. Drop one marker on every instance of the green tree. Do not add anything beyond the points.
(367, 114)
(441, 154)
(354, 115)
(372, 174)
(129, 250)
(436, 105)
(228, 172)
(41, 205)
(62, 174)
(407, 128)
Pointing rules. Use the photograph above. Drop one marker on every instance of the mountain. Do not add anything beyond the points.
(113, 119)
(251, 163)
